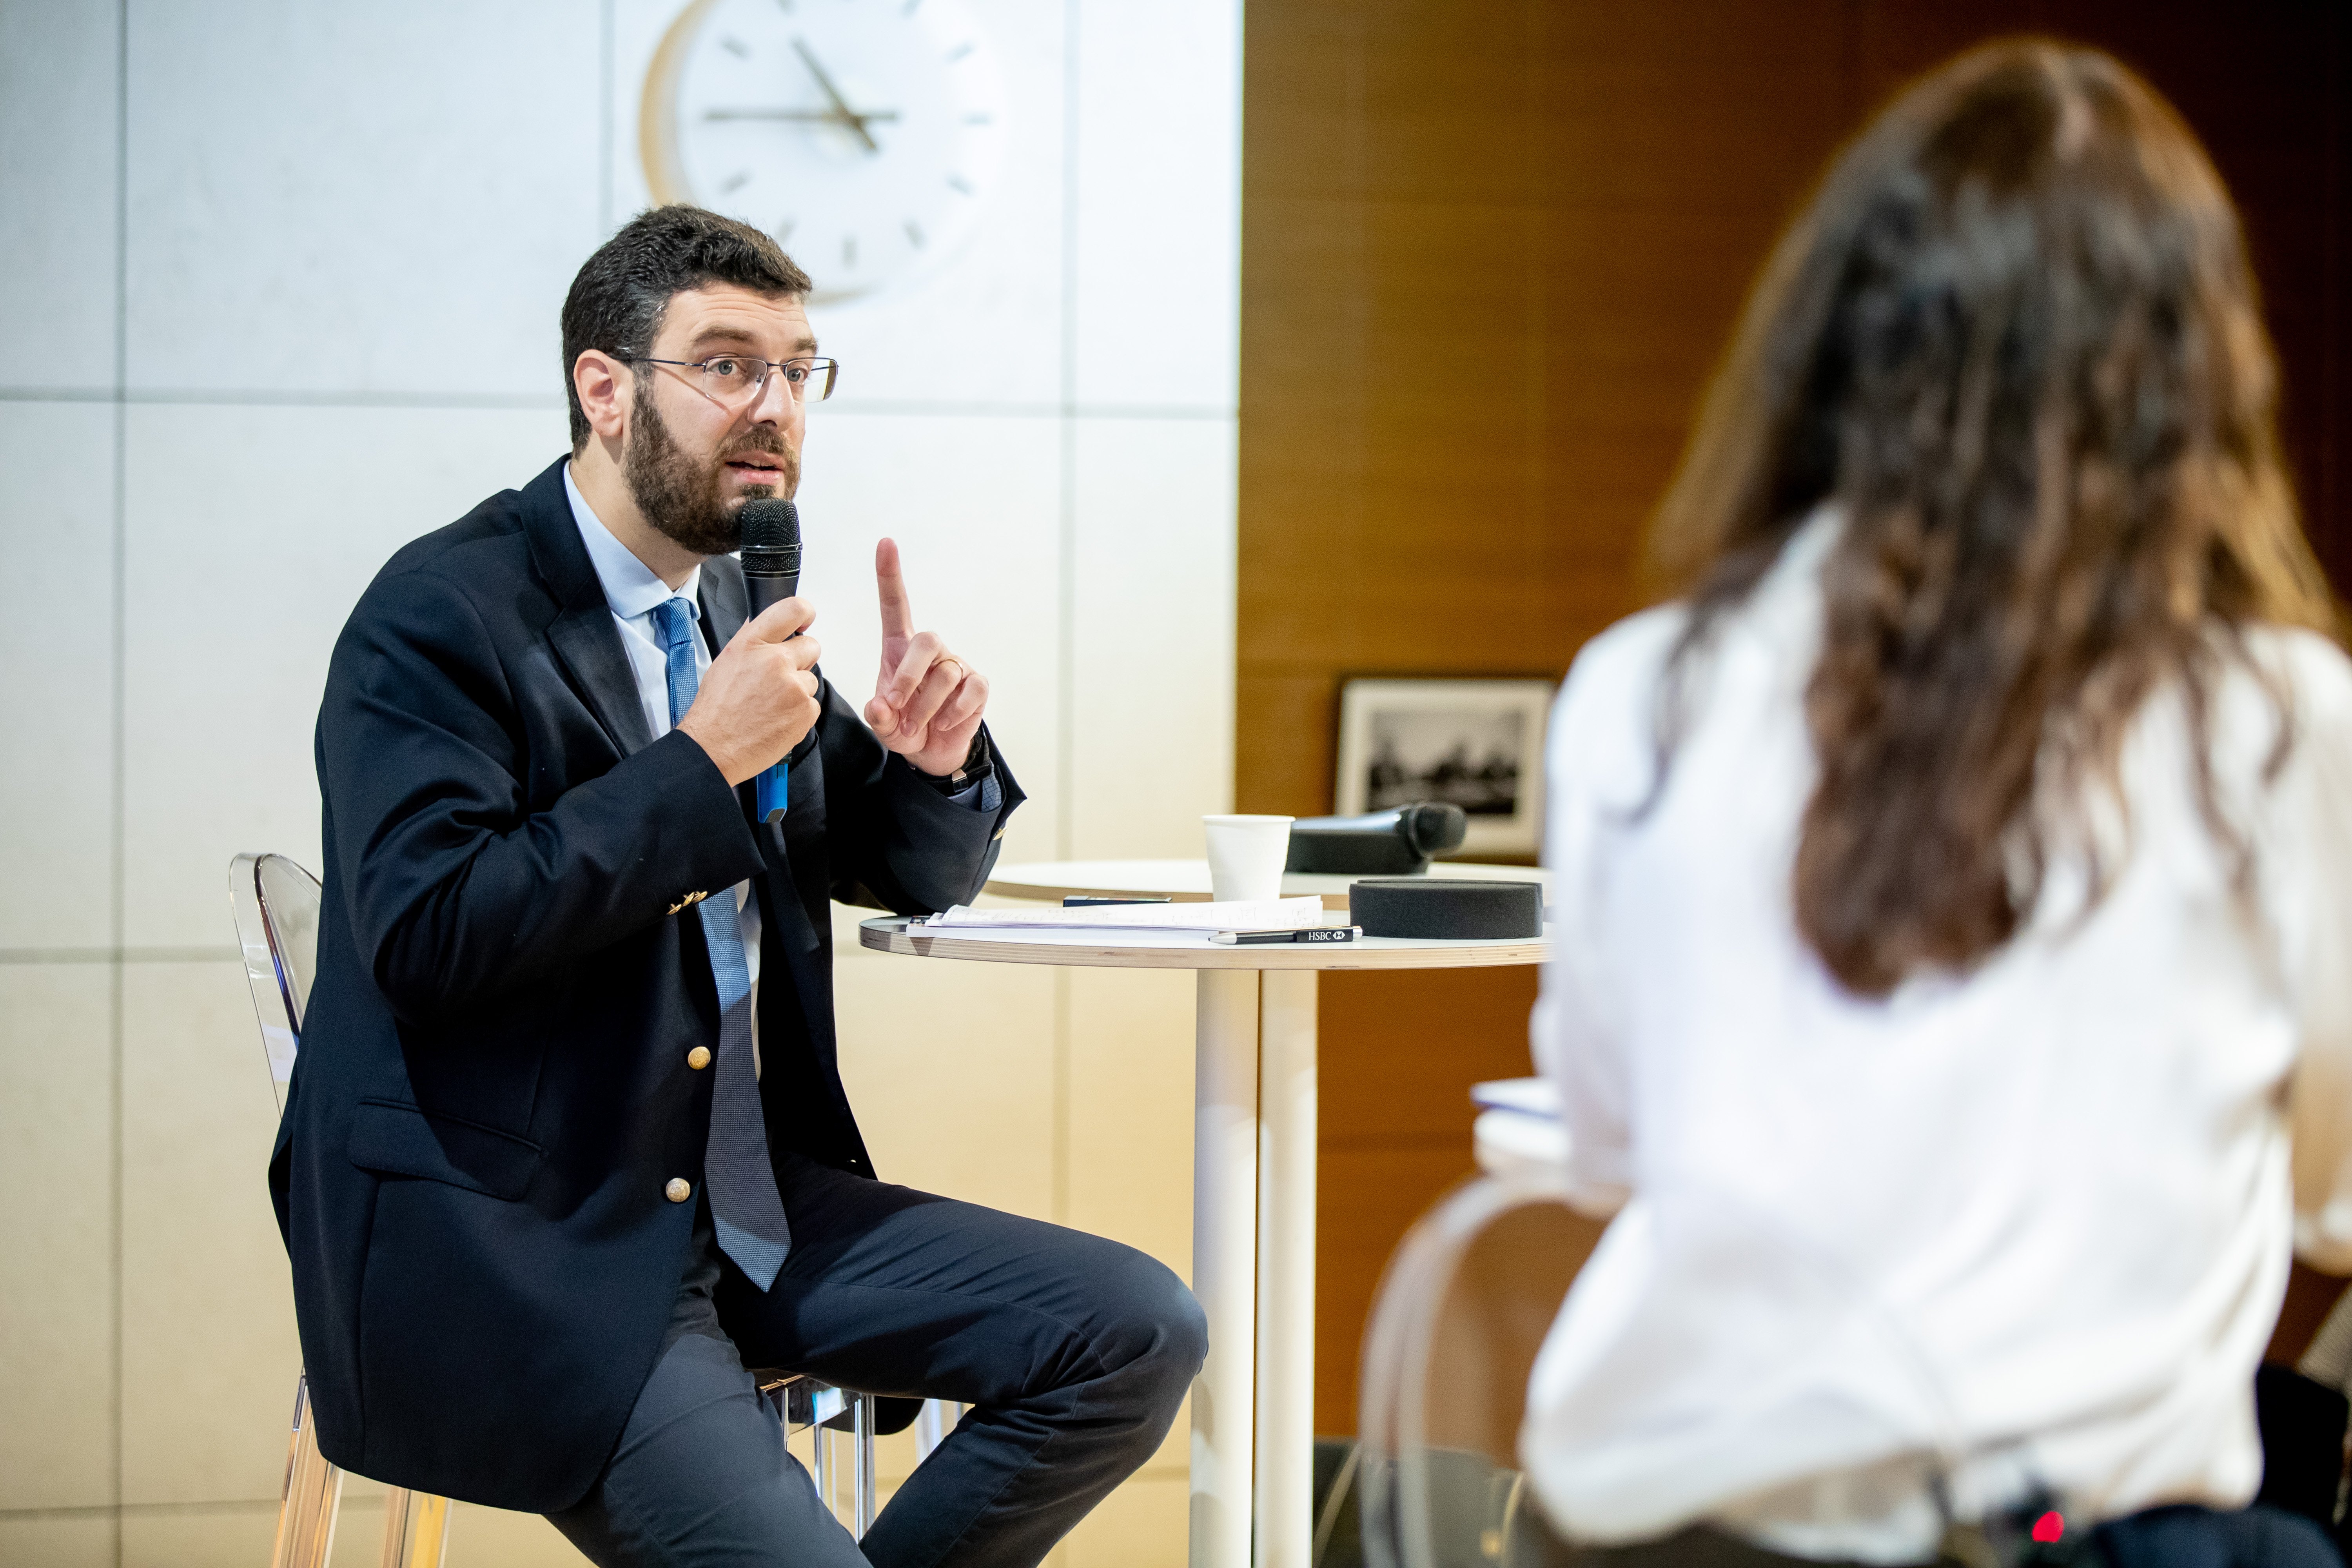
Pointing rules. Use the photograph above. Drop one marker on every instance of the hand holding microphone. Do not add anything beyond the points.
(759, 695)
(772, 576)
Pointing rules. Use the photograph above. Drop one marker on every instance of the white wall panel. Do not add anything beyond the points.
(1157, 292)
(238, 1535)
(1131, 1107)
(209, 1535)
(974, 1121)
(58, 111)
(251, 533)
(1153, 749)
(207, 1310)
(51, 1540)
(1143, 1521)
(379, 198)
(490, 1535)
(56, 526)
(973, 502)
(986, 331)
(56, 1160)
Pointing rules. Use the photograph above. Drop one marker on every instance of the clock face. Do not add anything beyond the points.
(862, 133)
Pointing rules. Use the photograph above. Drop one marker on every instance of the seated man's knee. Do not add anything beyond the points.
(1162, 1324)
(1187, 1329)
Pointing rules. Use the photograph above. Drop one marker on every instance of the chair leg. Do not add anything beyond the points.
(861, 1409)
(314, 1492)
(416, 1528)
(824, 1471)
(803, 1403)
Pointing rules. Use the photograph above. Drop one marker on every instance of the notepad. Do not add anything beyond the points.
(1251, 914)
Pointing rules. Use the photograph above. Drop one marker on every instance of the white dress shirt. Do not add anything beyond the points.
(2028, 1224)
(632, 591)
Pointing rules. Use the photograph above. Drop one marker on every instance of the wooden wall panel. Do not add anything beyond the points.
(1490, 250)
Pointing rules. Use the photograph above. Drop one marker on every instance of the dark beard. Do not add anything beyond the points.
(679, 493)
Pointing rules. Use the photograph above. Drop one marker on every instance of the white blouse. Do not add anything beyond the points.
(2026, 1225)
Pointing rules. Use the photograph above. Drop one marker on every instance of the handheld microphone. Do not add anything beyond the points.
(1397, 842)
(771, 573)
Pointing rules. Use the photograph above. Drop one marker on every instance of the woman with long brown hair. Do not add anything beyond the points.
(1953, 880)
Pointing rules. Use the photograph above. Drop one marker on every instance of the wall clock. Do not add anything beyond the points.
(864, 135)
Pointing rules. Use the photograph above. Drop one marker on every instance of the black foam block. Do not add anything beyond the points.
(1446, 909)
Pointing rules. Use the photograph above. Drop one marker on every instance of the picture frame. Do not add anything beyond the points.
(1475, 742)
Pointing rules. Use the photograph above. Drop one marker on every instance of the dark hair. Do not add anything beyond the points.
(2014, 338)
(617, 301)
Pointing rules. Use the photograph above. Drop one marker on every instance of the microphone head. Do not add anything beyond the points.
(770, 524)
(1434, 826)
(772, 538)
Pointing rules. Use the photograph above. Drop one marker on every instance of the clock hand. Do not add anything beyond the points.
(848, 116)
(822, 116)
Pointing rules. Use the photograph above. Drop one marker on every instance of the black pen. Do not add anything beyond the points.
(1087, 902)
(1271, 938)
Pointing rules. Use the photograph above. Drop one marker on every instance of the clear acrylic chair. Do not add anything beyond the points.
(275, 905)
(834, 1419)
(1460, 1311)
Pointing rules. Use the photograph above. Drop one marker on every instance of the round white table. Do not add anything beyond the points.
(1253, 1166)
(1188, 880)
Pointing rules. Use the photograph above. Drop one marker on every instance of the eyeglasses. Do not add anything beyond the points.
(733, 380)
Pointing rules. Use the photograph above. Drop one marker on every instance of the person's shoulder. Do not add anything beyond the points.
(481, 558)
(1625, 659)
(1603, 722)
(458, 582)
(2305, 701)
(486, 538)
(2314, 667)
(2278, 722)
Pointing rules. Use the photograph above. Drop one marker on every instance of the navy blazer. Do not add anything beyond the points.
(492, 1087)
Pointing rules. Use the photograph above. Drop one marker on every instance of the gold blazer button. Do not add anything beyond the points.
(698, 1057)
(679, 1190)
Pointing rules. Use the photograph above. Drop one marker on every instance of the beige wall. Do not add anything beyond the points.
(283, 283)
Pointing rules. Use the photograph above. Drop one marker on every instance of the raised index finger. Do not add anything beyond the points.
(898, 615)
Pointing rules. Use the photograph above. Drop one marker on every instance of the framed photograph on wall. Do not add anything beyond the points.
(1478, 744)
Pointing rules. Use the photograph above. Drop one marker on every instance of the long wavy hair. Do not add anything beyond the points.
(2015, 340)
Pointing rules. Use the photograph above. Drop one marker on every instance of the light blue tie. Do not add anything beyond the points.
(749, 1214)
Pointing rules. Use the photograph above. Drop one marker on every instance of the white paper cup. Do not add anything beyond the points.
(1245, 856)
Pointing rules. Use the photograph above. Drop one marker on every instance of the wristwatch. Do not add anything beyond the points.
(978, 765)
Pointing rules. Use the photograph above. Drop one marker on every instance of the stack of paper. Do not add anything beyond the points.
(1252, 914)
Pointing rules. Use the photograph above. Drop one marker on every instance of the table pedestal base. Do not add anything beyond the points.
(1285, 1264)
(1225, 1261)
(1252, 1184)
(1254, 1268)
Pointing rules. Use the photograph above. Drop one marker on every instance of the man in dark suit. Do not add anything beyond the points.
(566, 1150)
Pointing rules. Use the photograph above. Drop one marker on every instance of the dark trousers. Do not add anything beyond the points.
(1074, 1350)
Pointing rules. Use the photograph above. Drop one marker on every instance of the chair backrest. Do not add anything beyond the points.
(276, 904)
(1461, 1313)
